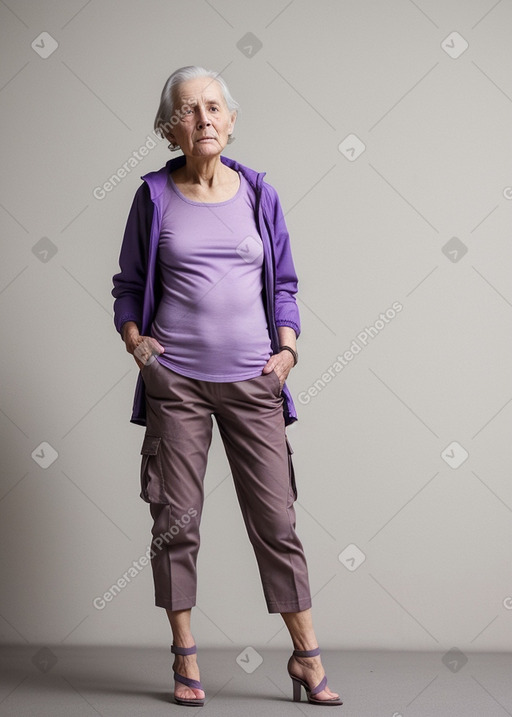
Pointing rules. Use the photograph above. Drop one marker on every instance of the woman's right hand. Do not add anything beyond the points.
(141, 347)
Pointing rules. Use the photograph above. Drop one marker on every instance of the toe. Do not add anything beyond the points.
(189, 693)
(327, 695)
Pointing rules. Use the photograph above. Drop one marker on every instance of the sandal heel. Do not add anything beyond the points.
(310, 692)
(296, 690)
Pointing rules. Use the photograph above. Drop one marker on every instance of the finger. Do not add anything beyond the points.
(141, 352)
(282, 373)
(281, 367)
(155, 346)
(159, 346)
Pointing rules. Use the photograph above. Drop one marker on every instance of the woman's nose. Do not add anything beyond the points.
(202, 120)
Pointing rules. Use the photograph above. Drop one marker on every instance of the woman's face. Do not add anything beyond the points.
(205, 122)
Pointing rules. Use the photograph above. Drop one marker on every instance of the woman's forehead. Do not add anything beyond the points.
(205, 88)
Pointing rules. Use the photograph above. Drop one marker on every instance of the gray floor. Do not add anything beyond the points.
(113, 682)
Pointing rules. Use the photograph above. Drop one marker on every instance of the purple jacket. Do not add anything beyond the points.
(137, 288)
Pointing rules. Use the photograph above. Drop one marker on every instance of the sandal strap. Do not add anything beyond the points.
(188, 681)
(306, 653)
(184, 650)
(321, 686)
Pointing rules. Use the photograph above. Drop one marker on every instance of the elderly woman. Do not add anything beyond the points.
(205, 302)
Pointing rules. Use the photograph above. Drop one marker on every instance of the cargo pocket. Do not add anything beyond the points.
(151, 474)
(291, 469)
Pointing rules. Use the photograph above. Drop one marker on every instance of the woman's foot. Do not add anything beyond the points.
(311, 671)
(187, 666)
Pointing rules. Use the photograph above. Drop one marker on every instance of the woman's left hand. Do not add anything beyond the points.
(281, 363)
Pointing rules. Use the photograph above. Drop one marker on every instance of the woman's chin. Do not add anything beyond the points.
(207, 149)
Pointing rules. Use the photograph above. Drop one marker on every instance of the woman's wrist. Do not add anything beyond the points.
(292, 351)
(129, 329)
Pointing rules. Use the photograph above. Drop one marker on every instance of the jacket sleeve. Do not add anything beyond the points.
(129, 283)
(286, 309)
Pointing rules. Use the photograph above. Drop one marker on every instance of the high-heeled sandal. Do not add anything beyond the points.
(310, 692)
(189, 702)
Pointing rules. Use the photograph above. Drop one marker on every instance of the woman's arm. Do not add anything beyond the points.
(286, 282)
(288, 337)
(129, 283)
(285, 305)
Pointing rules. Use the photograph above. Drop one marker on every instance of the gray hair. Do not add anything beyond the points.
(168, 115)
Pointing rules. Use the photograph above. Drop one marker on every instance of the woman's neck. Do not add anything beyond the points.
(208, 172)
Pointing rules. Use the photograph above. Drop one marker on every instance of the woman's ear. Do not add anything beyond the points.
(173, 144)
(232, 123)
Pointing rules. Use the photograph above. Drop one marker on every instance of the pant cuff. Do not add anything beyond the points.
(174, 605)
(289, 606)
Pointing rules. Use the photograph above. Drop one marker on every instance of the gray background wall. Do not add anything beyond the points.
(420, 217)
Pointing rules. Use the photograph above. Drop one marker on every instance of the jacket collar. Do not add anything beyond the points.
(158, 179)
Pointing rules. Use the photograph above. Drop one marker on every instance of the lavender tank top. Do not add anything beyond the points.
(211, 318)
